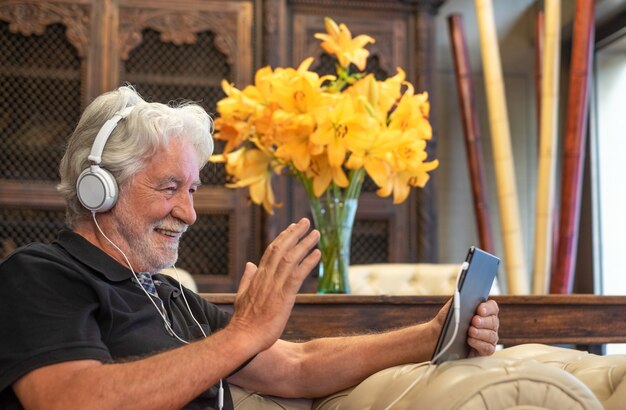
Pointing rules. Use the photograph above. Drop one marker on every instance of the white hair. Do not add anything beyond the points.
(134, 140)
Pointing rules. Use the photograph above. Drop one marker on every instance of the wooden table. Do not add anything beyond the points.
(551, 319)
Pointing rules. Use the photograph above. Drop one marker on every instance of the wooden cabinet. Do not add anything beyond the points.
(61, 54)
(57, 55)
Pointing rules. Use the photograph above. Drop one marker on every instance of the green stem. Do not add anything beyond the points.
(333, 215)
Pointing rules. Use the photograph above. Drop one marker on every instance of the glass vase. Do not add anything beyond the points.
(334, 219)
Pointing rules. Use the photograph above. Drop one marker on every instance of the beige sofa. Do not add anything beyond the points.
(530, 376)
(406, 279)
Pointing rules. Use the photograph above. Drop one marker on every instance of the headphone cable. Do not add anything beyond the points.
(162, 313)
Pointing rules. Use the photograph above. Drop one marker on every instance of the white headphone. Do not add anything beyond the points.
(96, 188)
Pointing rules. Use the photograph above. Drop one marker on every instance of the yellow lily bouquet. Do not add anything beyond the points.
(326, 131)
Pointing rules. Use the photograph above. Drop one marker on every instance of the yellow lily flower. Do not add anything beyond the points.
(390, 91)
(234, 133)
(381, 96)
(412, 114)
(237, 111)
(292, 137)
(410, 170)
(322, 174)
(338, 41)
(251, 168)
(297, 91)
(401, 182)
(377, 156)
(340, 127)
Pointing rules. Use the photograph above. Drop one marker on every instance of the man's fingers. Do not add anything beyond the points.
(282, 263)
(488, 308)
(485, 335)
(283, 243)
(248, 273)
(295, 265)
(267, 293)
(489, 322)
(481, 348)
(483, 341)
(303, 248)
(482, 335)
(307, 265)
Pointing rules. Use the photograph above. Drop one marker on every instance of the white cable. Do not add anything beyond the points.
(457, 308)
(456, 300)
(401, 395)
(185, 299)
(220, 396)
(220, 392)
(162, 314)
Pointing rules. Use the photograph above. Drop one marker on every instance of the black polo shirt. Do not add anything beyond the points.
(71, 301)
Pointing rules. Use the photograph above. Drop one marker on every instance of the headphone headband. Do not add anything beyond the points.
(105, 132)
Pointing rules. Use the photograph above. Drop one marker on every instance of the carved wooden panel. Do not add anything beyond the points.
(180, 22)
(31, 18)
(44, 48)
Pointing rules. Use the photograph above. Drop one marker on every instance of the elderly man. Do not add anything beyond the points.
(86, 322)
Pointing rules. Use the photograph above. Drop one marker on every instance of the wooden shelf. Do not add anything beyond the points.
(550, 319)
(171, 80)
(30, 194)
(41, 73)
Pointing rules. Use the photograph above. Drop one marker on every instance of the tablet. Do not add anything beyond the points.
(474, 283)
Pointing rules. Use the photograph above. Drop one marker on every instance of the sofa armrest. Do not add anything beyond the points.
(494, 382)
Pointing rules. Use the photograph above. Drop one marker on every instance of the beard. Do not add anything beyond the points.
(151, 247)
(153, 255)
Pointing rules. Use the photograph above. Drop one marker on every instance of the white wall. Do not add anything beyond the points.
(611, 149)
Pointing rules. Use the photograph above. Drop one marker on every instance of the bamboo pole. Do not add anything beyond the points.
(548, 145)
(515, 265)
(574, 146)
(467, 103)
(539, 40)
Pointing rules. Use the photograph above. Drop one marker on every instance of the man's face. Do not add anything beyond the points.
(156, 206)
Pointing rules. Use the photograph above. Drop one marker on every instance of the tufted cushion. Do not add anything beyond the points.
(529, 376)
(245, 399)
(403, 278)
(495, 383)
(604, 375)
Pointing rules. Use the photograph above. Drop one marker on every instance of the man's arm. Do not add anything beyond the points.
(262, 307)
(140, 384)
(324, 366)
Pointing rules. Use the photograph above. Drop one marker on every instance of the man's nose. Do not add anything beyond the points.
(183, 209)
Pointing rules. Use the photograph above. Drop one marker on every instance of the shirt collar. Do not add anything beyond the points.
(92, 256)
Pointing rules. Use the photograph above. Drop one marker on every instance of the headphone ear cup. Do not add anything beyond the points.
(96, 189)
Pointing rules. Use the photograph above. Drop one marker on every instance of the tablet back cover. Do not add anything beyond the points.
(474, 286)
